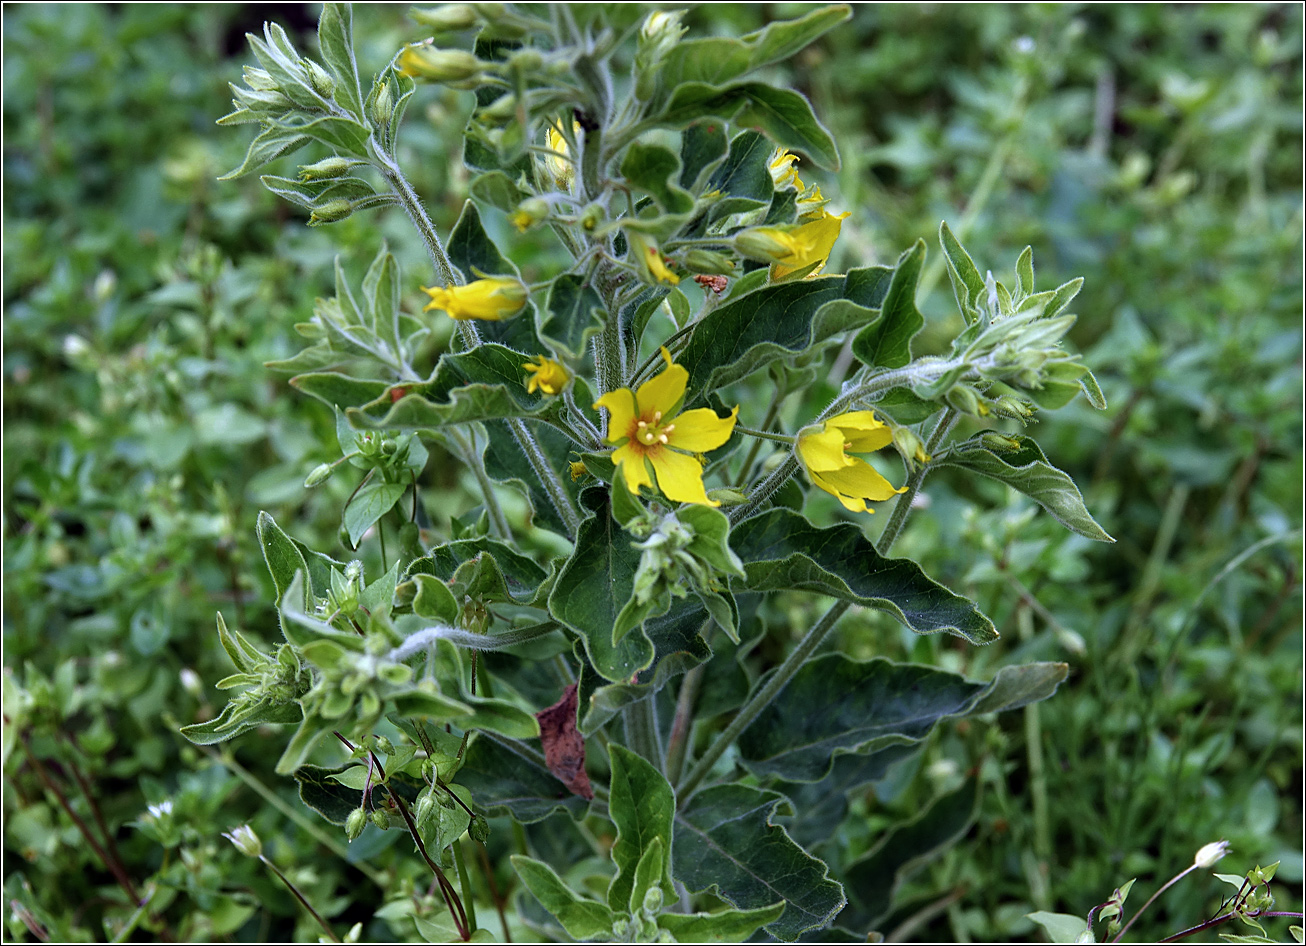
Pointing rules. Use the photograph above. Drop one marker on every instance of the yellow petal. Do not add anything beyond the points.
(664, 391)
(680, 477)
(862, 431)
(701, 430)
(815, 241)
(850, 503)
(860, 479)
(621, 413)
(823, 450)
(632, 467)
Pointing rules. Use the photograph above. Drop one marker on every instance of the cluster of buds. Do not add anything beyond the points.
(657, 37)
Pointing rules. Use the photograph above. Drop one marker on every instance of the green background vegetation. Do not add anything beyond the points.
(1154, 150)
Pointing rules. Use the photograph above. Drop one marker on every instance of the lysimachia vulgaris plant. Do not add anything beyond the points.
(580, 702)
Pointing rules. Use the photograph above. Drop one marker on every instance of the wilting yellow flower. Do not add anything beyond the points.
(852, 481)
(813, 242)
(560, 164)
(578, 470)
(811, 204)
(783, 172)
(488, 299)
(648, 260)
(546, 375)
(421, 61)
(656, 440)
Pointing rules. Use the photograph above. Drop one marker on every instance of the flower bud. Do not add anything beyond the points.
(647, 258)
(438, 65)
(592, 216)
(964, 399)
(999, 443)
(330, 212)
(380, 818)
(321, 473)
(447, 18)
(479, 829)
(355, 823)
(526, 60)
(708, 262)
(323, 83)
(529, 212)
(260, 80)
(653, 899)
(766, 245)
(909, 446)
(383, 107)
(326, 169)
(1208, 854)
(246, 841)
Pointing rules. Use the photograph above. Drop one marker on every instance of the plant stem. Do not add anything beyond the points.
(746, 471)
(412, 204)
(642, 735)
(473, 458)
(765, 435)
(466, 884)
(1038, 785)
(1168, 884)
(498, 899)
(301, 898)
(548, 478)
(1147, 586)
(776, 682)
(678, 740)
(1216, 921)
(134, 920)
(902, 507)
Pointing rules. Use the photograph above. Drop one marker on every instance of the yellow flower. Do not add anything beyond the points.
(648, 260)
(810, 205)
(813, 242)
(783, 172)
(850, 480)
(489, 299)
(656, 440)
(560, 164)
(578, 470)
(546, 375)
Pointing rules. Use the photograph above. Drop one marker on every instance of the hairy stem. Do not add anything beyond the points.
(642, 735)
(902, 508)
(465, 883)
(303, 901)
(412, 204)
(548, 477)
(682, 724)
(776, 682)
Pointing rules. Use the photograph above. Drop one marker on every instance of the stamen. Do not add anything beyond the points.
(669, 428)
(642, 425)
(663, 438)
(657, 416)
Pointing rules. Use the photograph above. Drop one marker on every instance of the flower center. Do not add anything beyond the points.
(652, 432)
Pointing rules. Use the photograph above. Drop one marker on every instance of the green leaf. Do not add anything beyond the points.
(594, 585)
(434, 600)
(339, 390)
(370, 503)
(887, 341)
(572, 315)
(641, 805)
(335, 39)
(271, 143)
(783, 114)
(497, 190)
(381, 289)
(726, 926)
(581, 917)
(322, 790)
(239, 717)
(505, 463)
(820, 807)
(1060, 927)
(508, 782)
(486, 383)
(875, 879)
(967, 283)
(702, 145)
(717, 61)
(782, 550)
(649, 167)
(520, 576)
(1026, 469)
(776, 322)
(835, 705)
(649, 873)
(726, 842)
(745, 173)
(282, 556)
(246, 657)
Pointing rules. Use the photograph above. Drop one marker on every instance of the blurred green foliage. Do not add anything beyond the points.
(1156, 150)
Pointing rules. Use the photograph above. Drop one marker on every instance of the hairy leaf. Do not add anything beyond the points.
(641, 804)
(782, 550)
(887, 342)
(508, 782)
(581, 917)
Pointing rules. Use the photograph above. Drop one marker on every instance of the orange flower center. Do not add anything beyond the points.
(650, 433)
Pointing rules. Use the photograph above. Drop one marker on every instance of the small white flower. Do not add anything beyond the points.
(1210, 853)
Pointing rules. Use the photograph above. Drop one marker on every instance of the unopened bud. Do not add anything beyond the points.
(503, 109)
(246, 841)
(999, 443)
(321, 473)
(385, 745)
(190, 681)
(447, 18)
(380, 818)
(765, 244)
(529, 212)
(653, 899)
(383, 107)
(964, 399)
(326, 169)
(260, 80)
(909, 446)
(330, 212)
(708, 262)
(1208, 854)
(438, 65)
(526, 60)
(592, 216)
(479, 829)
(355, 823)
(324, 84)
